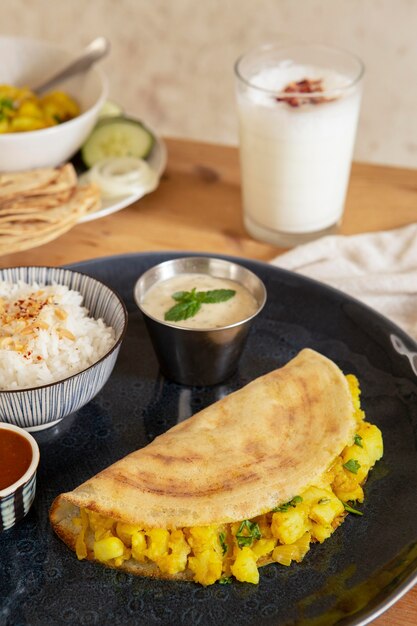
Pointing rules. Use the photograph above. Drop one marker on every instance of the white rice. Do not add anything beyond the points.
(46, 335)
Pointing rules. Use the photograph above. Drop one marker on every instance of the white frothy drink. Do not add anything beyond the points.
(295, 160)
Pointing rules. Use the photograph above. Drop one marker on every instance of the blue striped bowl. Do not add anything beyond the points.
(37, 408)
(16, 500)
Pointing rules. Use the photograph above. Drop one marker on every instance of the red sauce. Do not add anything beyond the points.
(15, 457)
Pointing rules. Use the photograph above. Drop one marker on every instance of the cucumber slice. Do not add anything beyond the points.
(110, 109)
(117, 137)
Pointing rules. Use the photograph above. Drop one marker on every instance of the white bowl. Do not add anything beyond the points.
(27, 62)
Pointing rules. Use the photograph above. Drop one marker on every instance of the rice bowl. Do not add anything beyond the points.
(43, 404)
(46, 334)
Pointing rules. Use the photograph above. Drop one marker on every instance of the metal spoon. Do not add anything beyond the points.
(95, 50)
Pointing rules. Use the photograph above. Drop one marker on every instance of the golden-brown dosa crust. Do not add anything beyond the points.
(254, 449)
(179, 491)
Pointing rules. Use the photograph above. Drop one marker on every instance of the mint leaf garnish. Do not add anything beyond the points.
(217, 295)
(182, 311)
(189, 302)
(184, 295)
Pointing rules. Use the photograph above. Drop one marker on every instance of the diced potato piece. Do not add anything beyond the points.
(326, 510)
(125, 532)
(303, 546)
(290, 525)
(284, 554)
(172, 564)
(356, 453)
(204, 538)
(109, 548)
(158, 544)
(352, 494)
(262, 547)
(177, 542)
(24, 123)
(354, 389)
(127, 553)
(176, 561)
(100, 525)
(138, 543)
(355, 394)
(60, 104)
(321, 532)
(244, 568)
(372, 442)
(346, 484)
(292, 552)
(313, 494)
(29, 108)
(206, 566)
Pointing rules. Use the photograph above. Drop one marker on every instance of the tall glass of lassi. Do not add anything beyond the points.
(298, 109)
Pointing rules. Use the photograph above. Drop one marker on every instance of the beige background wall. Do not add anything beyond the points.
(171, 60)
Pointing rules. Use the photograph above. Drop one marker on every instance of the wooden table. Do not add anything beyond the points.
(197, 207)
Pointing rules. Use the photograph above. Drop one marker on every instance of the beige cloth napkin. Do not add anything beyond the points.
(378, 268)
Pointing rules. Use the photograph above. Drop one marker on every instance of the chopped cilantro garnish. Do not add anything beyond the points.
(222, 539)
(284, 507)
(357, 440)
(247, 533)
(324, 500)
(6, 103)
(6, 106)
(352, 466)
(350, 509)
(225, 580)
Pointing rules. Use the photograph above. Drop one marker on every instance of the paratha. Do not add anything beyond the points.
(40, 205)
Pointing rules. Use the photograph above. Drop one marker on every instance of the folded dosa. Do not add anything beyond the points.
(237, 459)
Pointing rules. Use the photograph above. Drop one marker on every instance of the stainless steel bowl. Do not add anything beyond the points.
(199, 356)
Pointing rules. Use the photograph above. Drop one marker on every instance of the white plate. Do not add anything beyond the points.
(157, 160)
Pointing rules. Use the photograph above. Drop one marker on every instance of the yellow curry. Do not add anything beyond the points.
(218, 552)
(21, 110)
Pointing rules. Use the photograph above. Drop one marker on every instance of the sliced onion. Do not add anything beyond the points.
(119, 176)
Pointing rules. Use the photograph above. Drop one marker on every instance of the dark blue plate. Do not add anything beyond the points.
(360, 571)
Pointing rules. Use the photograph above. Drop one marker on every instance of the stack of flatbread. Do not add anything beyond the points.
(39, 205)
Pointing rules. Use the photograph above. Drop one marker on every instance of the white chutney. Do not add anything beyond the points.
(158, 300)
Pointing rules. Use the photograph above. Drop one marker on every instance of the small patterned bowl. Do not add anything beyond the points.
(16, 500)
(36, 408)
